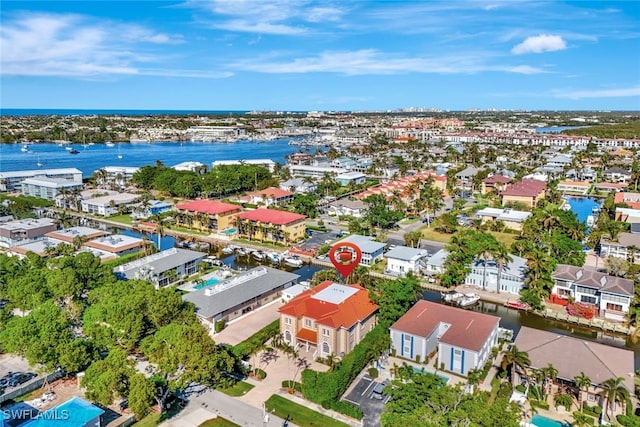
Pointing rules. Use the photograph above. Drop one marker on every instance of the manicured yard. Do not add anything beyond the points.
(157, 418)
(123, 219)
(238, 389)
(218, 422)
(298, 414)
(431, 234)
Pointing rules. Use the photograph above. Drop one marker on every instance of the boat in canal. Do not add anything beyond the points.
(517, 305)
(468, 299)
(293, 261)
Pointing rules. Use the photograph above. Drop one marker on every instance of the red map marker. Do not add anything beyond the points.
(345, 257)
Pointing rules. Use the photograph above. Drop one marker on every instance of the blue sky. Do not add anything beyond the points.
(325, 55)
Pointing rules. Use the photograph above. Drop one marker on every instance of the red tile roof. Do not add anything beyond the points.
(307, 335)
(468, 330)
(355, 308)
(213, 207)
(272, 192)
(271, 216)
(497, 179)
(631, 199)
(525, 188)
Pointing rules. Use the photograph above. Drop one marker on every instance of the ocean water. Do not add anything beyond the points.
(93, 157)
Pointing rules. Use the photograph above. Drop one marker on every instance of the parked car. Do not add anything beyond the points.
(378, 391)
(124, 405)
(4, 381)
(21, 378)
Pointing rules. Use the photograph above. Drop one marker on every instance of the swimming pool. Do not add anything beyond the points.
(229, 231)
(209, 282)
(540, 421)
(424, 371)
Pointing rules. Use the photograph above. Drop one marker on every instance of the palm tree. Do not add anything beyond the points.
(612, 392)
(501, 257)
(516, 359)
(550, 374)
(583, 382)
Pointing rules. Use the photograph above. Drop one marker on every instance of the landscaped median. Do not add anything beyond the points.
(298, 414)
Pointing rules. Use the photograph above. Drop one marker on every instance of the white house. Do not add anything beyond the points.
(155, 268)
(354, 208)
(298, 185)
(10, 181)
(511, 278)
(402, 259)
(107, 205)
(611, 295)
(372, 251)
(351, 178)
(463, 339)
(435, 263)
(48, 188)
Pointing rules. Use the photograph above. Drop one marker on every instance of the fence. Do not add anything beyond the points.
(30, 386)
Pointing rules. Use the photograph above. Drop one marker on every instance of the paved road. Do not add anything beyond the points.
(210, 404)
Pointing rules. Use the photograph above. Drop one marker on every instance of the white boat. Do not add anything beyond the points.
(68, 148)
(273, 257)
(227, 250)
(109, 144)
(468, 299)
(241, 252)
(258, 255)
(25, 148)
(452, 296)
(39, 163)
(293, 261)
(591, 220)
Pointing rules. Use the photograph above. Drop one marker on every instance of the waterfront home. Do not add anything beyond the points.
(21, 231)
(632, 200)
(611, 295)
(118, 176)
(572, 357)
(403, 259)
(616, 174)
(608, 187)
(371, 250)
(108, 205)
(628, 215)
(162, 268)
(48, 188)
(149, 208)
(574, 187)
(435, 263)
(271, 196)
(41, 247)
(627, 246)
(461, 338)
(197, 167)
(345, 207)
(527, 191)
(298, 185)
(117, 244)
(10, 181)
(207, 215)
(512, 219)
(270, 225)
(265, 163)
(354, 178)
(329, 319)
(494, 183)
(230, 298)
(484, 275)
(74, 235)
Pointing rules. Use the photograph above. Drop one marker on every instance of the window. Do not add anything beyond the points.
(588, 299)
(326, 348)
(287, 337)
(616, 307)
(287, 320)
(326, 332)
(307, 323)
(457, 352)
(407, 344)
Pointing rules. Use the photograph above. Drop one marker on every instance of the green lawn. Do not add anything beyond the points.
(218, 422)
(238, 389)
(156, 418)
(123, 219)
(258, 243)
(189, 231)
(431, 234)
(298, 414)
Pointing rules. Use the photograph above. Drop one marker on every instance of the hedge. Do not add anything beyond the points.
(346, 408)
(292, 384)
(629, 420)
(321, 387)
(255, 341)
(594, 411)
(539, 404)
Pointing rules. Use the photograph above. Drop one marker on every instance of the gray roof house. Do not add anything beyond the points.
(240, 294)
(511, 277)
(371, 250)
(155, 267)
(402, 259)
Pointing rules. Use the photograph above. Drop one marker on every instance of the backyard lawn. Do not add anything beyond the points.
(298, 414)
(122, 219)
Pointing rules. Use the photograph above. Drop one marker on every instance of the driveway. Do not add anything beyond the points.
(242, 328)
(361, 395)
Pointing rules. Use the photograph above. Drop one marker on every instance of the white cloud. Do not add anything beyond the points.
(373, 62)
(599, 93)
(539, 44)
(39, 44)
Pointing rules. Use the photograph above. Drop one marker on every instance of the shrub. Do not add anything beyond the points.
(594, 411)
(539, 404)
(520, 388)
(220, 324)
(347, 409)
(260, 374)
(255, 341)
(582, 419)
(373, 372)
(505, 390)
(563, 400)
(417, 358)
(629, 420)
(292, 384)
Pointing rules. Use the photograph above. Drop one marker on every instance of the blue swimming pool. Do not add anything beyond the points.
(540, 421)
(229, 231)
(209, 282)
(583, 206)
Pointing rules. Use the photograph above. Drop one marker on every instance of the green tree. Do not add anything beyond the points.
(583, 382)
(516, 359)
(613, 391)
(412, 238)
(108, 379)
(378, 214)
(395, 297)
(142, 392)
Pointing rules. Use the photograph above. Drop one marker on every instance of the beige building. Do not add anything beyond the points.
(330, 319)
(207, 215)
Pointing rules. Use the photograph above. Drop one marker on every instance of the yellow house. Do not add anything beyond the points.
(207, 215)
(269, 225)
(528, 192)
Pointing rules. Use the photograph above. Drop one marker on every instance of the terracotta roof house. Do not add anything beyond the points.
(611, 295)
(207, 215)
(494, 182)
(631, 199)
(571, 356)
(271, 225)
(328, 319)
(526, 191)
(462, 338)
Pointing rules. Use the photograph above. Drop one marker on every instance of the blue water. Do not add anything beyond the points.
(206, 284)
(582, 206)
(94, 157)
(166, 242)
(555, 129)
(540, 421)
